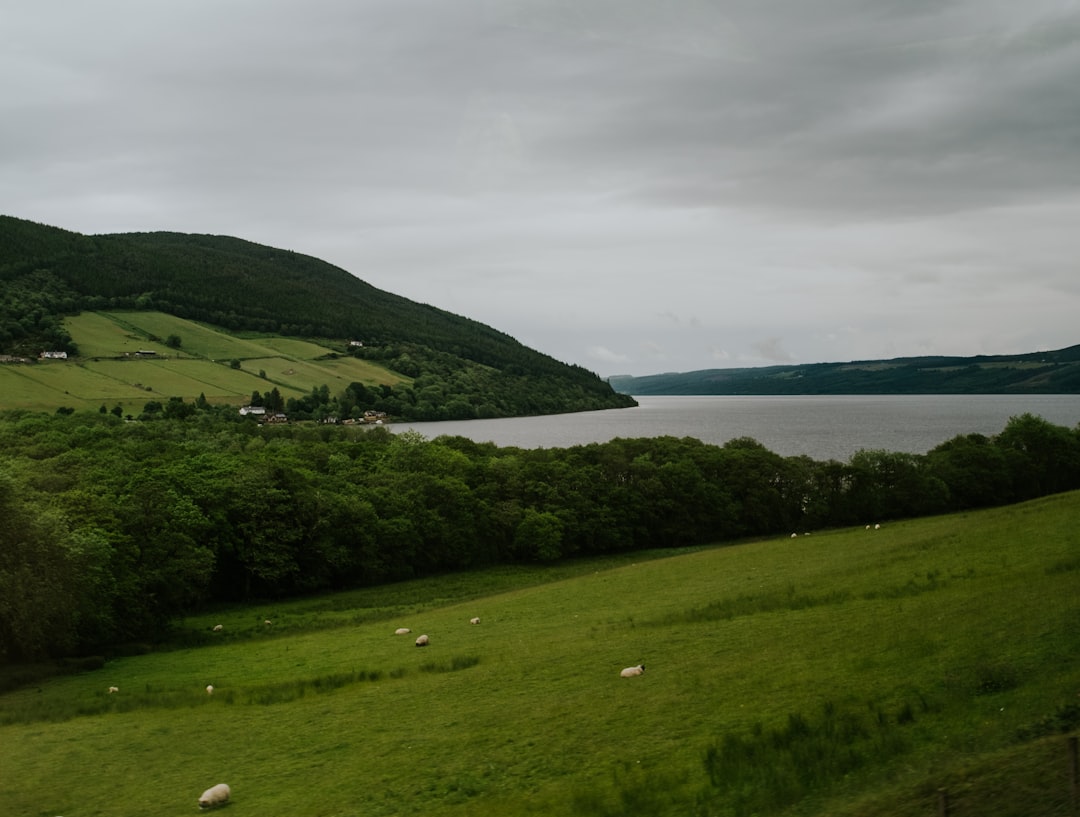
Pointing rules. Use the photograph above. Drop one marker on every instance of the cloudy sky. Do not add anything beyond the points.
(636, 186)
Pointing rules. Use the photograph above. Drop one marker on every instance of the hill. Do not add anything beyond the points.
(467, 369)
(852, 672)
(1055, 372)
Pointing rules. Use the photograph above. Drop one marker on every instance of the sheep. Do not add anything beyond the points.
(268, 622)
(217, 628)
(209, 689)
(402, 631)
(422, 641)
(794, 536)
(474, 620)
(877, 527)
(113, 689)
(632, 672)
(215, 796)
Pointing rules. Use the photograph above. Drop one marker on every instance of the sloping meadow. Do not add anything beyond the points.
(784, 676)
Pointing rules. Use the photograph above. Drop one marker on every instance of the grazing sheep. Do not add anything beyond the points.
(113, 689)
(632, 672)
(268, 622)
(209, 689)
(215, 796)
(474, 620)
(794, 536)
(422, 641)
(217, 628)
(877, 527)
(402, 631)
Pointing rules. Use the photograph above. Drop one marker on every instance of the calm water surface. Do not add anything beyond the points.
(822, 427)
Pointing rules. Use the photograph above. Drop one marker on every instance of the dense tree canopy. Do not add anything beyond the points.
(113, 528)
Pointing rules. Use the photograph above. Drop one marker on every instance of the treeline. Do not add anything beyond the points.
(112, 529)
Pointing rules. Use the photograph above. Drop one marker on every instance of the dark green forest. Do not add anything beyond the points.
(113, 529)
(468, 369)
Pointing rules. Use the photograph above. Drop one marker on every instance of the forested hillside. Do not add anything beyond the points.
(112, 528)
(1052, 372)
(48, 273)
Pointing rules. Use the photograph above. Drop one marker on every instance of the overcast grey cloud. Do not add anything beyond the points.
(635, 186)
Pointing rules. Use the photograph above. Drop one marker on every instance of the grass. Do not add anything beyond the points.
(849, 673)
(107, 372)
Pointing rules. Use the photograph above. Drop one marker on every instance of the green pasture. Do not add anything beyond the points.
(107, 371)
(56, 383)
(846, 672)
(108, 334)
(161, 379)
(303, 375)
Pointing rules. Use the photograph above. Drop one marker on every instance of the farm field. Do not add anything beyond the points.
(108, 371)
(848, 672)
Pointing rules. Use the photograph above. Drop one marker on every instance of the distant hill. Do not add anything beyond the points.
(456, 368)
(1056, 372)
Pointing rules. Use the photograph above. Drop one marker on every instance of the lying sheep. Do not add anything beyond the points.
(209, 689)
(422, 641)
(402, 631)
(215, 796)
(474, 620)
(631, 672)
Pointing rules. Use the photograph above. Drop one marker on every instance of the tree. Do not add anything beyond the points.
(539, 536)
(1043, 458)
(173, 341)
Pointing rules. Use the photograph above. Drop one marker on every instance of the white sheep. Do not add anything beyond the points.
(402, 631)
(217, 628)
(877, 527)
(268, 622)
(632, 672)
(794, 536)
(113, 689)
(215, 796)
(422, 641)
(209, 689)
(474, 620)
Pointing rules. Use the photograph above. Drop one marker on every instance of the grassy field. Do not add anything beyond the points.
(853, 672)
(108, 372)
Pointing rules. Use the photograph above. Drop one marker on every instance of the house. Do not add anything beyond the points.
(356, 343)
(146, 353)
(254, 411)
(277, 418)
(53, 356)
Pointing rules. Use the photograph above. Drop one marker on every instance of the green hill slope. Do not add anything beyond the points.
(1054, 372)
(123, 361)
(851, 673)
(470, 369)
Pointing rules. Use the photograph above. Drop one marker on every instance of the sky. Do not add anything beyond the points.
(634, 186)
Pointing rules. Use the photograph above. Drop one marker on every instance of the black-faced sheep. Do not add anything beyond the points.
(632, 672)
(474, 620)
(215, 796)
(422, 641)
